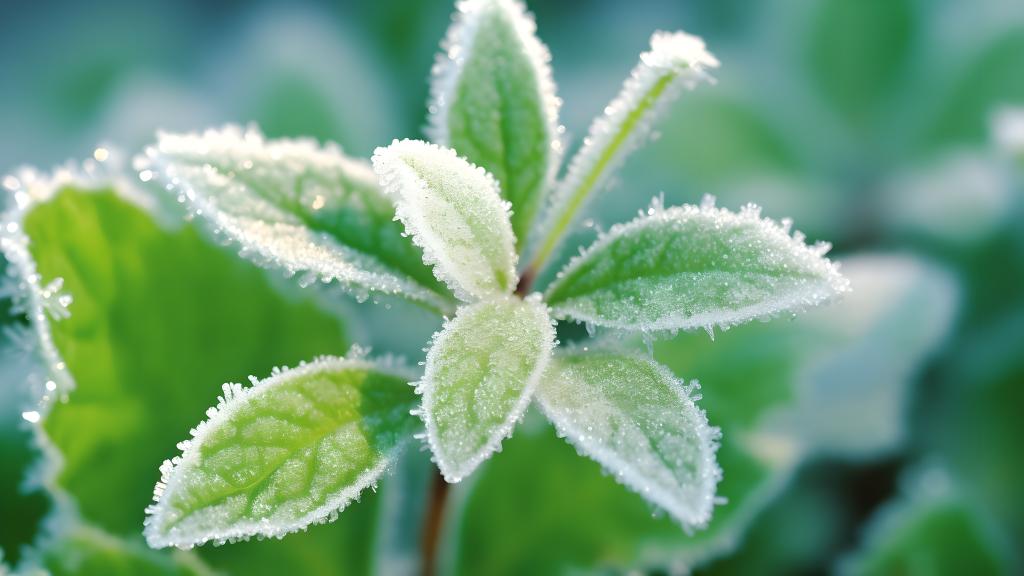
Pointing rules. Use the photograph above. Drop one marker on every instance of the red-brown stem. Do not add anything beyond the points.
(526, 281)
(433, 522)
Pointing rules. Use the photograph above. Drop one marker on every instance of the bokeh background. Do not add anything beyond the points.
(881, 435)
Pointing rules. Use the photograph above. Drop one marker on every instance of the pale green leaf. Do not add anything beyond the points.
(452, 209)
(481, 371)
(493, 101)
(297, 206)
(290, 451)
(640, 422)
(687, 267)
(675, 61)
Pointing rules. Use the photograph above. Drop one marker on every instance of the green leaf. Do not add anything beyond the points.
(930, 530)
(294, 205)
(160, 319)
(481, 371)
(89, 551)
(687, 267)
(635, 418)
(676, 60)
(452, 210)
(493, 100)
(290, 451)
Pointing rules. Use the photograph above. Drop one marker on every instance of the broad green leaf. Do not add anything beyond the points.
(687, 267)
(767, 386)
(493, 101)
(932, 530)
(481, 371)
(452, 209)
(635, 418)
(675, 61)
(294, 205)
(858, 50)
(290, 451)
(159, 319)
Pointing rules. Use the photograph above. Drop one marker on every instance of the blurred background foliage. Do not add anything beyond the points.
(880, 436)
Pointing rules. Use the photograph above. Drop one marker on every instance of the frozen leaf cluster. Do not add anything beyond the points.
(446, 225)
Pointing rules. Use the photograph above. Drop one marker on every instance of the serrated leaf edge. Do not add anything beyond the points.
(232, 396)
(457, 46)
(355, 272)
(836, 283)
(623, 472)
(396, 176)
(493, 444)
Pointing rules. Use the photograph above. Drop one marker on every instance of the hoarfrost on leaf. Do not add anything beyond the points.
(493, 100)
(294, 205)
(290, 451)
(690, 267)
(480, 374)
(635, 418)
(453, 210)
(675, 61)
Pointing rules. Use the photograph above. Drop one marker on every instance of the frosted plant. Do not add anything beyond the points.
(464, 226)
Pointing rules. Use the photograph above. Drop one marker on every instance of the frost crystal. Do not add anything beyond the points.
(453, 210)
(675, 61)
(287, 452)
(293, 205)
(635, 418)
(692, 267)
(481, 371)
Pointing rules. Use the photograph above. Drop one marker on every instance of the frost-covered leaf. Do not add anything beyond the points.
(641, 423)
(767, 385)
(675, 61)
(297, 206)
(160, 318)
(452, 209)
(688, 267)
(931, 530)
(493, 100)
(290, 451)
(481, 371)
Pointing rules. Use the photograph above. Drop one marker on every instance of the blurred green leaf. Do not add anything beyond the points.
(89, 551)
(928, 534)
(857, 51)
(494, 102)
(988, 80)
(160, 318)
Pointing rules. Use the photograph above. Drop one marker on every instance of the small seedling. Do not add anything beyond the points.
(466, 226)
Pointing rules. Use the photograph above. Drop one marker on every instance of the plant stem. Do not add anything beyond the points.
(433, 522)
